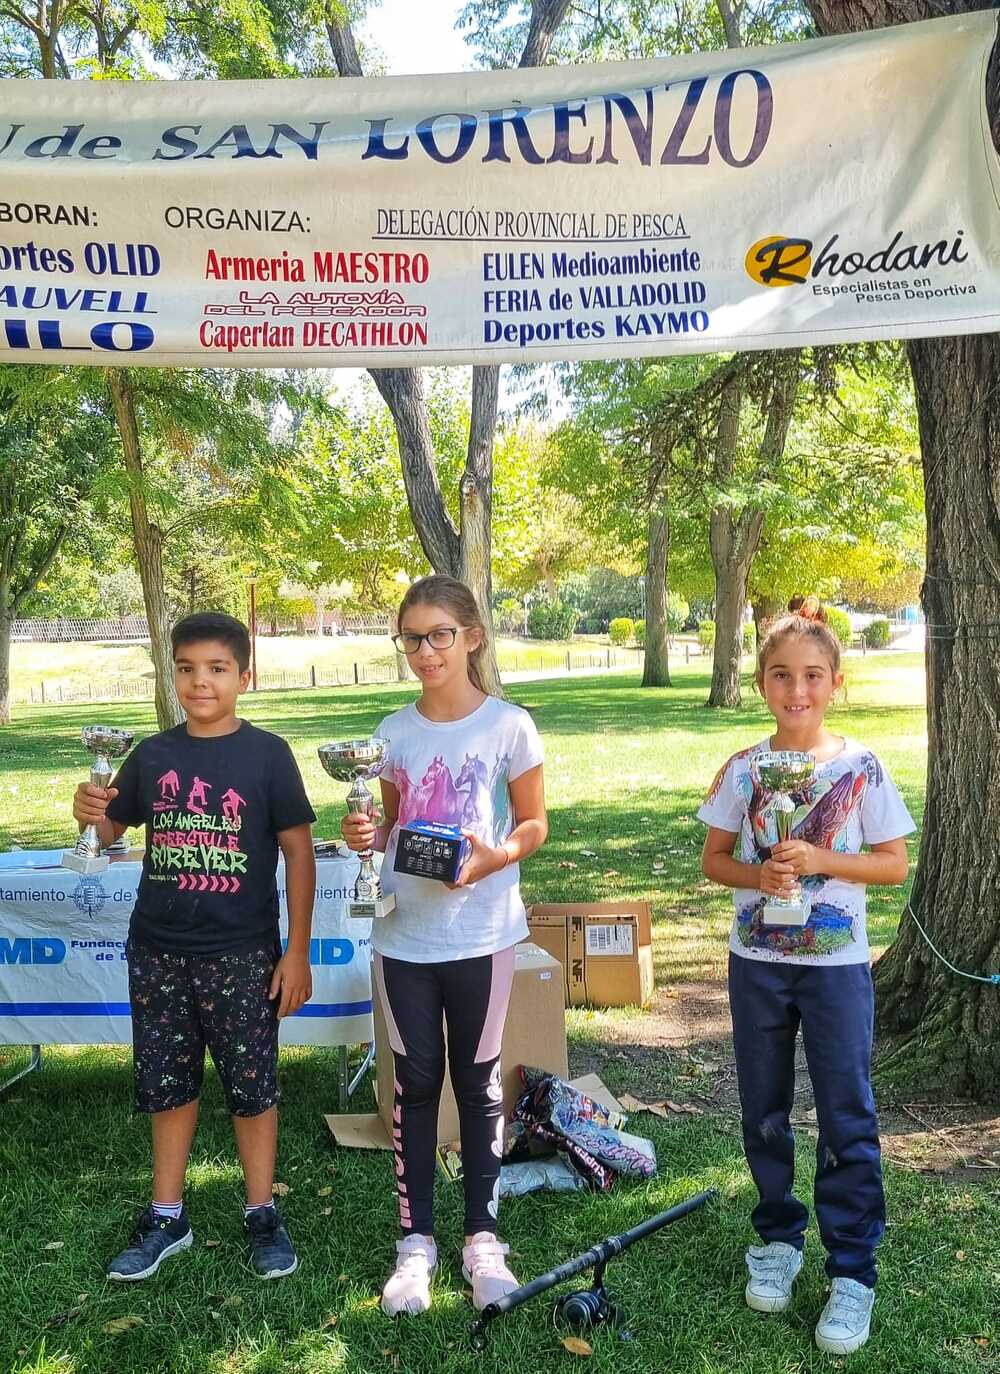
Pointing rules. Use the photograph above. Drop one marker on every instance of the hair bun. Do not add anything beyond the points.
(808, 607)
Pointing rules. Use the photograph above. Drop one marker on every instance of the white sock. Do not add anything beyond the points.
(256, 1207)
(169, 1209)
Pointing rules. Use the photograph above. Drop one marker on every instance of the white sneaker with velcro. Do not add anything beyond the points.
(847, 1317)
(773, 1270)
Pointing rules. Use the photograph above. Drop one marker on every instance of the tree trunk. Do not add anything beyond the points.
(464, 553)
(727, 655)
(12, 596)
(731, 23)
(402, 390)
(344, 48)
(5, 629)
(655, 658)
(47, 50)
(732, 540)
(148, 539)
(765, 608)
(476, 492)
(546, 16)
(402, 666)
(949, 1027)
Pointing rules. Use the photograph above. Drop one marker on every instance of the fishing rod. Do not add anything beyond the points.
(587, 1306)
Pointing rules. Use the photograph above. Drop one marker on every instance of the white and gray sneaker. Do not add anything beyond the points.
(155, 1238)
(484, 1265)
(847, 1317)
(773, 1270)
(408, 1287)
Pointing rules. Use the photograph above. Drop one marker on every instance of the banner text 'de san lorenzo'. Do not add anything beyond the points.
(674, 206)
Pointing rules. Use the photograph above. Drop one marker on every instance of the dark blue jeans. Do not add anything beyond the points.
(835, 1008)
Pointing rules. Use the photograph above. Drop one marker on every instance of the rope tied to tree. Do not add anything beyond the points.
(986, 629)
(964, 581)
(992, 978)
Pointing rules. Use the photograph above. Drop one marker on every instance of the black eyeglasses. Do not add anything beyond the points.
(441, 638)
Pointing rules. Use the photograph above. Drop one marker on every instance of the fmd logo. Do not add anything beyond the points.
(328, 953)
(21, 949)
(89, 896)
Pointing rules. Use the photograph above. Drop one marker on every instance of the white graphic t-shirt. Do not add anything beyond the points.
(455, 772)
(851, 802)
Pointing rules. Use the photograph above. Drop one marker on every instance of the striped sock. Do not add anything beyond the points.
(169, 1209)
(256, 1207)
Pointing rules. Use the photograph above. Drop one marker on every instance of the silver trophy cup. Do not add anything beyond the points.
(105, 743)
(781, 773)
(358, 761)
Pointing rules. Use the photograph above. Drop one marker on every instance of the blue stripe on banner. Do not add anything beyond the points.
(65, 1009)
(123, 1009)
(335, 1009)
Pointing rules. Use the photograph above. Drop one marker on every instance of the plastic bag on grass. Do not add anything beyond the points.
(585, 1132)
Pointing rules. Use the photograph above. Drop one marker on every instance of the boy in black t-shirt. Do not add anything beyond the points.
(218, 798)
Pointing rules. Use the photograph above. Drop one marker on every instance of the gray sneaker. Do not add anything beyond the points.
(271, 1250)
(154, 1239)
(847, 1317)
(773, 1269)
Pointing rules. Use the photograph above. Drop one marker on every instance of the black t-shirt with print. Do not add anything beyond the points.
(212, 808)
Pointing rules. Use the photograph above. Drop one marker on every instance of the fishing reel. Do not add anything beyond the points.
(586, 1308)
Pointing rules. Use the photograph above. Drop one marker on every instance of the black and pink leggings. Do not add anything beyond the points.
(472, 995)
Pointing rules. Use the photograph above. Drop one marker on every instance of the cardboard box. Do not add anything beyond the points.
(535, 1034)
(605, 949)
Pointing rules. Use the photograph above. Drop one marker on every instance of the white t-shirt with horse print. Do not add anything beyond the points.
(455, 772)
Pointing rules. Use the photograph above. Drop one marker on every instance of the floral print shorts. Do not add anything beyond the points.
(183, 1003)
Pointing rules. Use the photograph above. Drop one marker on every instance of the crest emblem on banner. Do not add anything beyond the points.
(89, 896)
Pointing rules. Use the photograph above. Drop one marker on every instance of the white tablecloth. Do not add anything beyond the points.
(63, 977)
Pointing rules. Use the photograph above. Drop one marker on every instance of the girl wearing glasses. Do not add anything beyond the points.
(460, 757)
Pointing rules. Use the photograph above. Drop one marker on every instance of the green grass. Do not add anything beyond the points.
(206, 1313)
(626, 770)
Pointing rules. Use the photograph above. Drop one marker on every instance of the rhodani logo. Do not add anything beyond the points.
(784, 260)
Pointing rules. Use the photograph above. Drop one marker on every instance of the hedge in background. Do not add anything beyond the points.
(551, 620)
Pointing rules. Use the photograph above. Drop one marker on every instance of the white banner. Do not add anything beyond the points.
(64, 979)
(840, 189)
